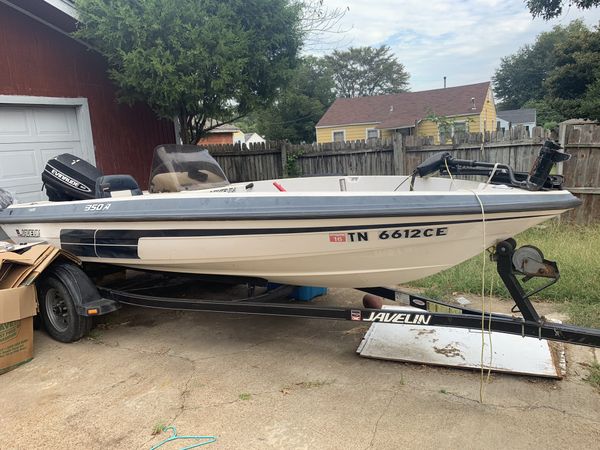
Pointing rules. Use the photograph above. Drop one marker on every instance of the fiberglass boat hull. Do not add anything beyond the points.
(345, 239)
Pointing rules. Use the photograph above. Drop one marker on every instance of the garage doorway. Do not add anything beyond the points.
(34, 130)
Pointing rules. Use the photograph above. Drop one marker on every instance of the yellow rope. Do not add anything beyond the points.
(449, 173)
(490, 329)
(483, 308)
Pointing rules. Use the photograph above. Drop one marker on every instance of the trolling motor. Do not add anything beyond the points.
(549, 155)
(538, 177)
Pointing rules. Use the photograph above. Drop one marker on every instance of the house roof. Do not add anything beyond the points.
(523, 115)
(402, 110)
(224, 128)
(61, 15)
(66, 6)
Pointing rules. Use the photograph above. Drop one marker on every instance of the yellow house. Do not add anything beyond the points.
(468, 108)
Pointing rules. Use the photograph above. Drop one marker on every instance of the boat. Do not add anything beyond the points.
(329, 231)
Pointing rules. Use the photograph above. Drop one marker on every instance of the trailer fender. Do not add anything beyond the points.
(85, 295)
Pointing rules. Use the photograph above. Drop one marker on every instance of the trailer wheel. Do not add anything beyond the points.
(58, 311)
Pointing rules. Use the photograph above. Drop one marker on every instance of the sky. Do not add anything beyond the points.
(463, 40)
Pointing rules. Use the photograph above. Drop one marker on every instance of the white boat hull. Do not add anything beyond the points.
(324, 231)
(378, 251)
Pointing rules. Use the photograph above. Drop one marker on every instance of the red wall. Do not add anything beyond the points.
(39, 61)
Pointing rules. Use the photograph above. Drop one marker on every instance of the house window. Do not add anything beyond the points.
(445, 131)
(372, 133)
(339, 136)
(459, 127)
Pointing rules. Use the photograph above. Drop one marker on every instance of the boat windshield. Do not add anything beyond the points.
(178, 168)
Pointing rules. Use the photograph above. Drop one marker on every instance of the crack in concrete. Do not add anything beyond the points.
(385, 410)
(530, 407)
(168, 352)
(237, 352)
(183, 395)
(192, 362)
(194, 408)
(237, 400)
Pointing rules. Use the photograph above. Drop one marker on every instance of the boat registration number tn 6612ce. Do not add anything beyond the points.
(401, 233)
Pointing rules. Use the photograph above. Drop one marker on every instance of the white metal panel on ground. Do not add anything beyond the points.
(29, 137)
(461, 348)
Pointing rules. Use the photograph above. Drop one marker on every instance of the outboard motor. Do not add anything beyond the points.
(6, 199)
(67, 177)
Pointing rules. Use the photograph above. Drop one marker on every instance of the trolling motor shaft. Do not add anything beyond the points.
(538, 177)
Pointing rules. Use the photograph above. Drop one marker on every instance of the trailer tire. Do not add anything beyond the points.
(58, 311)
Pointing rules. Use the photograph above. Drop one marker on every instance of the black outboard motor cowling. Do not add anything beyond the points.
(67, 177)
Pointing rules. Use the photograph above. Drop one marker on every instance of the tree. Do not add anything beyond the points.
(520, 77)
(546, 114)
(572, 84)
(548, 9)
(559, 74)
(300, 105)
(590, 103)
(319, 22)
(366, 71)
(204, 62)
(445, 125)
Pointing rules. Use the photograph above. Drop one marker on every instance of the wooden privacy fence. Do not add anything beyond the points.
(400, 156)
(582, 171)
(258, 162)
(514, 147)
(279, 159)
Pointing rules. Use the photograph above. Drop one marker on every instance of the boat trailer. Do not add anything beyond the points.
(527, 262)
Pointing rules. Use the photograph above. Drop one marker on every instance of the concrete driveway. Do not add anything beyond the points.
(262, 383)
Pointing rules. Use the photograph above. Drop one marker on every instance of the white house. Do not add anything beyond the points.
(253, 138)
(247, 138)
(505, 120)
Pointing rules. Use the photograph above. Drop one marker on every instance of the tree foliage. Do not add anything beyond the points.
(559, 74)
(547, 115)
(198, 60)
(548, 9)
(300, 105)
(520, 77)
(362, 71)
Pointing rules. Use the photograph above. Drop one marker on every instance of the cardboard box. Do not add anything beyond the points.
(18, 301)
(17, 308)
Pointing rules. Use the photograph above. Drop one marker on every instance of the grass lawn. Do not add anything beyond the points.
(576, 249)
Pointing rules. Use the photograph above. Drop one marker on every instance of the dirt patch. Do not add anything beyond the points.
(450, 351)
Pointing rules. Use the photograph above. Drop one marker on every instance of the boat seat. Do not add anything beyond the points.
(116, 186)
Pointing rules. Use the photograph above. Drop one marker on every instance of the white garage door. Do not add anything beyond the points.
(30, 136)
